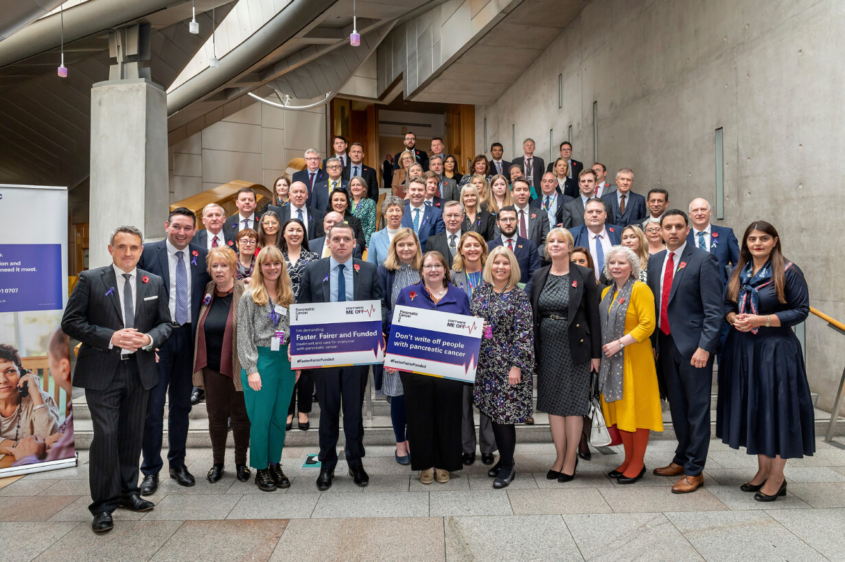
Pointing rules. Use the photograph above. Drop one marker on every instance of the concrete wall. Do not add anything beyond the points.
(666, 75)
(252, 144)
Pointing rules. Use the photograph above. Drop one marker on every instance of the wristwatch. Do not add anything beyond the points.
(621, 345)
(768, 321)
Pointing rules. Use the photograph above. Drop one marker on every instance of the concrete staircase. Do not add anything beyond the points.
(379, 430)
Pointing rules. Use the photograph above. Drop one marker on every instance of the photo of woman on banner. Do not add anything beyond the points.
(25, 410)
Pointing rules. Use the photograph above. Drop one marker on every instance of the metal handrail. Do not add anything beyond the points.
(834, 413)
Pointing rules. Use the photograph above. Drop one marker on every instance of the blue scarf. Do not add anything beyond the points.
(751, 283)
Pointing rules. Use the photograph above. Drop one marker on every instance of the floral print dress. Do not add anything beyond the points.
(512, 345)
(365, 211)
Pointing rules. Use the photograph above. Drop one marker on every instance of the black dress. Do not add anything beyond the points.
(764, 400)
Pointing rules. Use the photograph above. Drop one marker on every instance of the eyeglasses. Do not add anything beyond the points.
(248, 241)
(507, 220)
(434, 267)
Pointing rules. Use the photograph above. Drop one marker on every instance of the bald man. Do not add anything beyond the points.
(718, 240)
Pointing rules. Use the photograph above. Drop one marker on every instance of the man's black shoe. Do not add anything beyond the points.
(278, 476)
(149, 485)
(242, 472)
(136, 503)
(359, 476)
(487, 458)
(324, 481)
(197, 396)
(102, 522)
(468, 458)
(182, 476)
(215, 473)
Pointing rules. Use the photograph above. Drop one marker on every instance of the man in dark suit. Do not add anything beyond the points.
(247, 216)
(657, 201)
(448, 186)
(688, 303)
(120, 314)
(349, 279)
(626, 207)
(447, 241)
(498, 165)
(182, 267)
(298, 209)
(551, 200)
(214, 217)
(524, 249)
(312, 174)
(339, 144)
(573, 211)
(319, 199)
(432, 188)
(531, 166)
(529, 223)
(421, 156)
(596, 235)
(603, 187)
(357, 168)
(718, 240)
(425, 220)
(575, 167)
(318, 245)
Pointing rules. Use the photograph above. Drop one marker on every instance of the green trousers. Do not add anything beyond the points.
(268, 408)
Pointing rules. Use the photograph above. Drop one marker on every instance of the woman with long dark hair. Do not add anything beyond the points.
(764, 400)
(450, 168)
(339, 202)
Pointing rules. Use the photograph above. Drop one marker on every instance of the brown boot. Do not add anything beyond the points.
(671, 470)
(688, 484)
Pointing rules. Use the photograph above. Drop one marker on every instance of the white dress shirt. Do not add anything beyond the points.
(250, 218)
(411, 210)
(707, 237)
(449, 237)
(172, 262)
(600, 188)
(221, 240)
(604, 239)
(677, 261)
(121, 284)
(294, 214)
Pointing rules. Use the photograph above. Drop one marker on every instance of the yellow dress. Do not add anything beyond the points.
(640, 404)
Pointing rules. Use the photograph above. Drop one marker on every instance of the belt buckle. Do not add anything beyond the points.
(125, 356)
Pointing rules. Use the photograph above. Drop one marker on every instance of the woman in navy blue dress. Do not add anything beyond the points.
(764, 399)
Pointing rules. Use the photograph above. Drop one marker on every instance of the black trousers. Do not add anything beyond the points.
(341, 388)
(175, 382)
(435, 408)
(303, 391)
(688, 389)
(118, 417)
(223, 402)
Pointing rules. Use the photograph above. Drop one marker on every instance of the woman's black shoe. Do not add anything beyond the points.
(288, 426)
(305, 426)
(552, 475)
(264, 481)
(749, 487)
(568, 477)
(278, 476)
(586, 456)
(494, 472)
(761, 497)
(505, 477)
(614, 473)
(242, 472)
(215, 473)
(625, 480)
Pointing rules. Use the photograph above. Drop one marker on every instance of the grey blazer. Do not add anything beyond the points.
(573, 213)
(449, 190)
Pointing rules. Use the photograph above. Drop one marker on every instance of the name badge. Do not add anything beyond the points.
(277, 341)
(281, 310)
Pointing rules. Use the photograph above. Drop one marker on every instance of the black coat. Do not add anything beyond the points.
(584, 321)
(314, 287)
(369, 175)
(485, 225)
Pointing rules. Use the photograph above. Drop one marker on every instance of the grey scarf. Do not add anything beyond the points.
(612, 329)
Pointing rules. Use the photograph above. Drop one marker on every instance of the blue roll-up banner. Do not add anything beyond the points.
(437, 344)
(35, 363)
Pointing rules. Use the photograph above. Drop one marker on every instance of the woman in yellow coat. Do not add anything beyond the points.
(627, 378)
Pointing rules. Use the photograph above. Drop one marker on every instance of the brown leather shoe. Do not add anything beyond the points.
(671, 470)
(688, 484)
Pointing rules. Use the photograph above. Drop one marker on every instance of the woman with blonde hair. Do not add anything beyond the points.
(399, 270)
(476, 217)
(483, 187)
(266, 376)
(400, 175)
(634, 238)
(566, 185)
(500, 194)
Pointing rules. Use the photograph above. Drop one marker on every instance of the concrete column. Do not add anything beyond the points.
(129, 183)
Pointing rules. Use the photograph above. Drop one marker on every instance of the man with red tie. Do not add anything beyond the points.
(312, 174)
(688, 302)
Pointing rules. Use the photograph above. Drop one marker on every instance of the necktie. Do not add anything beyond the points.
(428, 203)
(665, 290)
(597, 190)
(510, 244)
(342, 163)
(529, 169)
(355, 173)
(499, 167)
(341, 283)
(334, 186)
(299, 215)
(622, 204)
(701, 243)
(128, 303)
(522, 230)
(181, 289)
(310, 181)
(452, 247)
(214, 241)
(246, 225)
(569, 166)
(599, 254)
(416, 220)
(548, 204)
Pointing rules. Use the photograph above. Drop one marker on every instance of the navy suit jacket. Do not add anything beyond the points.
(315, 219)
(723, 245)
(431, 222)
(562, 200)
(154, 259)
(368, 174)
(505, 167)
(201, 237)
(319, 198)
(313, 288)
(582, 237)
(695, 300)
(536, 171)
(635, 209)
(526, 256)
(302, 176)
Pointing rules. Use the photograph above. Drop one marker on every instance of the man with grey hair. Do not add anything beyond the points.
(214, 217)
(312, 174)
(320, 195)
(120, 315)
(319, 246)
(447, 241)
(626, 207)
(531, 166)
(717, 240)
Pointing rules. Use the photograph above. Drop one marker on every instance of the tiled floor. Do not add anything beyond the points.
(44, 516)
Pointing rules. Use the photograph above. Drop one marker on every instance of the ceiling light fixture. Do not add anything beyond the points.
(213, 62)
(62, 69)
(355, 37)
(194, 26)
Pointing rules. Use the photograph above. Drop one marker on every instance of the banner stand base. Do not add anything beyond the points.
(39, 467)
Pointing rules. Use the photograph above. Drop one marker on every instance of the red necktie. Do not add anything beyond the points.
(664, 293)
(214, 242)
(311, 179)
(510, 245)
(597, 191)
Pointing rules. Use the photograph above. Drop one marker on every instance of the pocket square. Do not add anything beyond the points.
(151, 298)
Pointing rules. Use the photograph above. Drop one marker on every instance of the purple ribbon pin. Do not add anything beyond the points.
(110, 291)
(326, 279)
(194, 260)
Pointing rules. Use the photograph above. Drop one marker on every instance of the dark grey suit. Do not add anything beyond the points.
(573, 212)
(695, 316)
(116, 390)
(537, 169)
(201, 238)
(315, 219)
(440, 243)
